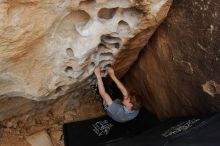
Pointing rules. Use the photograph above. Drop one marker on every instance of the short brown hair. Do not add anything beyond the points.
(135, 101)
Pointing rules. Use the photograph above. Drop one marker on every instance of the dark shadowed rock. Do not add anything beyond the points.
(177, 73)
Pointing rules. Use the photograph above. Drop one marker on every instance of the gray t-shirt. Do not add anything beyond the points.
(118, 112)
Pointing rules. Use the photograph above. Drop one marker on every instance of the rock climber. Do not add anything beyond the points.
(119, 110)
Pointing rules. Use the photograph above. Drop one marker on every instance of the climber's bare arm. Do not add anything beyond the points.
(118, 82)
(101, 87)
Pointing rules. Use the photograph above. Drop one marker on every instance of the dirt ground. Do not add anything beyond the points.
(14, 132)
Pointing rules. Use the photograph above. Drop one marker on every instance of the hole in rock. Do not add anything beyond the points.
(117, 45)
(107, 65)
(100, 46)
(81, 17)
(111, 46)
(103, 72)
(69, 70)
(211, 88)
(103, 49)
(107, 13)
(104, 64)
(109, 39)
(106, 56)
(69, 52)
(87, 4)
(92, 65)
(123, 28)
(60, 89)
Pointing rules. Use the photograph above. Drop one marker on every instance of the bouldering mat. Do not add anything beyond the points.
(202, 130)
(103, 130)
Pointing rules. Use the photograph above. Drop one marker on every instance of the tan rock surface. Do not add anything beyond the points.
(49, 47)
(11, 135)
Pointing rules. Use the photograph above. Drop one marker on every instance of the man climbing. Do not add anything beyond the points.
(119, 110)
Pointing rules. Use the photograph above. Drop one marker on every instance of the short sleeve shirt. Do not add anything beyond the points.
(118, 112)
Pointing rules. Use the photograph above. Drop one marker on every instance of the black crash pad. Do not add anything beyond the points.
(202, 130)
(103, 130)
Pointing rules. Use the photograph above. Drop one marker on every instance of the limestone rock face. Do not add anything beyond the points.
(177, 73)
(50, 48)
